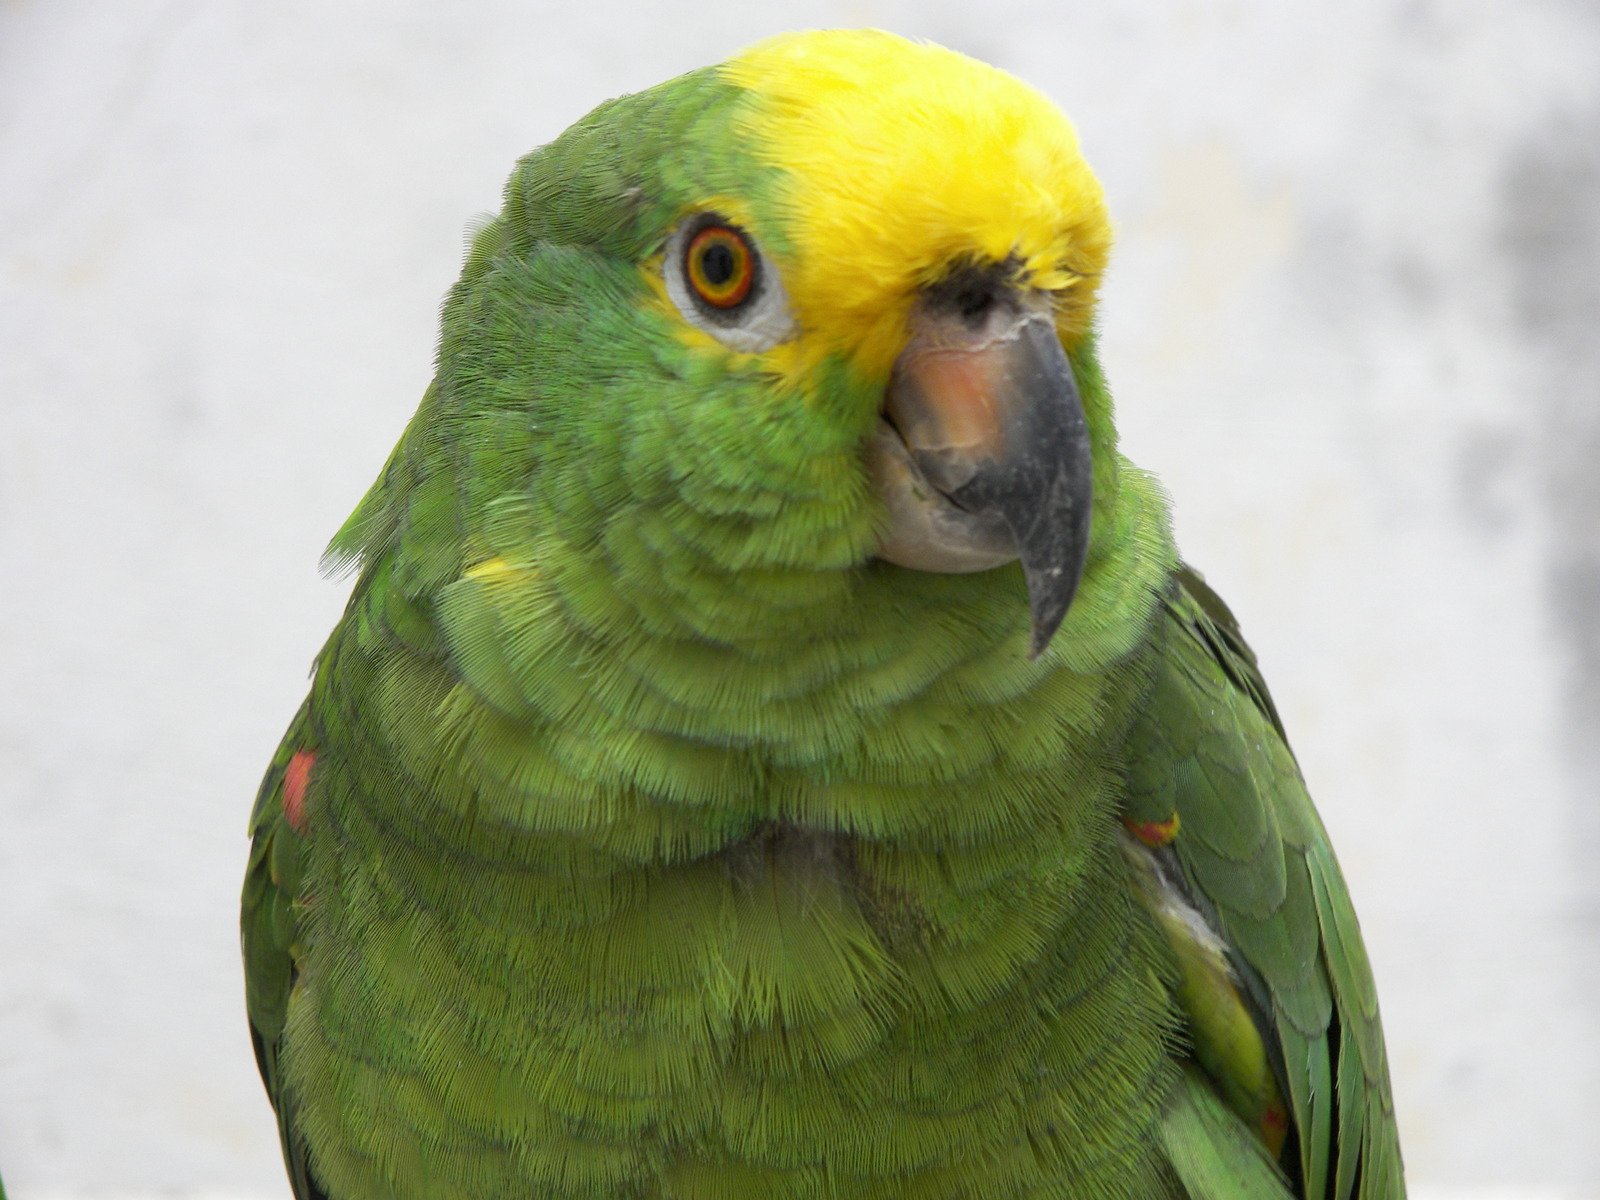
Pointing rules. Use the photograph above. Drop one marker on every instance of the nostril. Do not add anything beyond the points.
(974, 292)
(973, 304)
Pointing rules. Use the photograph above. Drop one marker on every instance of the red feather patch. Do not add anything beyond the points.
(295, 777)
(1154, 833)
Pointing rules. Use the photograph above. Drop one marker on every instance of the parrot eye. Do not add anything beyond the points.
(721, 266)
(722, 282)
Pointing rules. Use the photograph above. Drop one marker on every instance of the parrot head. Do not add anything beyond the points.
(815, 319)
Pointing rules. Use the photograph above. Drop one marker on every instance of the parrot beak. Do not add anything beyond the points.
(982, 454)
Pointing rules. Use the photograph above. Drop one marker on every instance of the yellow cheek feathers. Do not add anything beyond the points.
(901, 160)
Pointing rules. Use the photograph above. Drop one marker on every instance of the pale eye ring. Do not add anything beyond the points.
(723, 283)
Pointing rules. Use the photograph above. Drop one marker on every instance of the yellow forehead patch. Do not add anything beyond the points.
(901, 161)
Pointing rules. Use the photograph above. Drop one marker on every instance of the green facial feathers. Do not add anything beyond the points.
(647, 834)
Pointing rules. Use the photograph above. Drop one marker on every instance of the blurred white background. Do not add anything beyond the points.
(1353, 320)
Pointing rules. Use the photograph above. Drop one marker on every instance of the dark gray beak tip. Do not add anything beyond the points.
(1050, 593)
(1043, 631)
(1044, 490)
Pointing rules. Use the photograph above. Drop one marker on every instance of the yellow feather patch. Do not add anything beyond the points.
(493, 568)
(900, 162)
(499, 570)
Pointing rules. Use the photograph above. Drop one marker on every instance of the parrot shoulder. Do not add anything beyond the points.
(1272, 979)
(268, 925)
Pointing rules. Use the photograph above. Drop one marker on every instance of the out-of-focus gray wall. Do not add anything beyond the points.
(1353, 321)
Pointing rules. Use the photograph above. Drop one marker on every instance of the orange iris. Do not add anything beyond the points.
(721, 266)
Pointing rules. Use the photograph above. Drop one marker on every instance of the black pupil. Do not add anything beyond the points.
(717, 264)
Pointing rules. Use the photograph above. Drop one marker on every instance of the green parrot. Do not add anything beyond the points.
(773, 748)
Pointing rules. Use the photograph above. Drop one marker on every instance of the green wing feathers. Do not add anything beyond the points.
(1221, 816)
(268, 925)
(1215, 1155)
